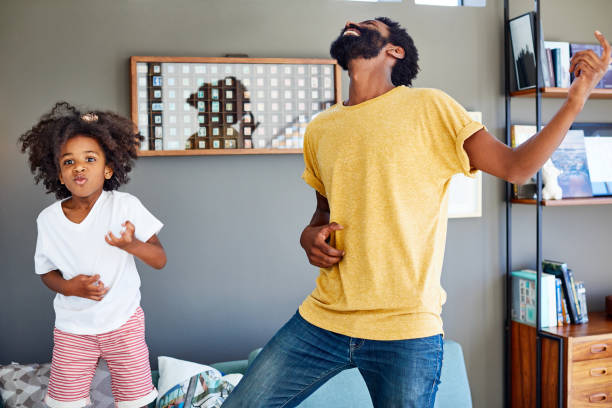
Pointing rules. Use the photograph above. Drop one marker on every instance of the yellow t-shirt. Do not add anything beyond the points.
(385, 166)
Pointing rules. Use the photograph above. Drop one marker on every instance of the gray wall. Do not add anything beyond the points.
(235, 269)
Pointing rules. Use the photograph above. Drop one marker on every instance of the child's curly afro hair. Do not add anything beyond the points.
(117, 136)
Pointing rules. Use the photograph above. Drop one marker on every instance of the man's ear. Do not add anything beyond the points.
(395, 51)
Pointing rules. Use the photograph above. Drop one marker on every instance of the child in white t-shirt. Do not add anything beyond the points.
(85, 252)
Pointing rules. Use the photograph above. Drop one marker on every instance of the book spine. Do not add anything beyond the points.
(552, 299)
(560, 317)
(583, 302)
(551, 67)
(556, 56)
(546, 304)
(575, 296)
(564, 57)
(566, 316)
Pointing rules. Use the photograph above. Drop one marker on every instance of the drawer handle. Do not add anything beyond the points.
(598, 372)
(599, 348)
(598, 397)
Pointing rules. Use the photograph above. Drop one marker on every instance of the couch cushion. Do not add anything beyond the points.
(24, 385)
(345, 390)
(28, 385)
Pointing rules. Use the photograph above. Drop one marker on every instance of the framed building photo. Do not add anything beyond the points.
(195, 106)
(523, 50)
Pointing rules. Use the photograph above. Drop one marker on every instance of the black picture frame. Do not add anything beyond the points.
(522, 40)
(594, 129)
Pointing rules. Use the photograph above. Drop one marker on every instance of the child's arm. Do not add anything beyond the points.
(151, 252)
(85, 286)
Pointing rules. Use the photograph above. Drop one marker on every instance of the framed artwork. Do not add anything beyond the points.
(199, 106)
(523, 50)
(465, 196)
(598, 146)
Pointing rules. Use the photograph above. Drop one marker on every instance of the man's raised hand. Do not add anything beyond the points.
(588, 69)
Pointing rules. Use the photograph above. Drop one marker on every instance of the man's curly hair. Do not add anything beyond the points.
(406, 69)
(116, 135)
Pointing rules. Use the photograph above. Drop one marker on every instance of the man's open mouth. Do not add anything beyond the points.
(351, 31)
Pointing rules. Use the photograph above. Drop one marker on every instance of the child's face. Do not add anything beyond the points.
(83, 166)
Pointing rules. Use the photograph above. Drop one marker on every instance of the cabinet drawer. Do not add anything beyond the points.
(591, 396)
(592, 372)
(590, 350)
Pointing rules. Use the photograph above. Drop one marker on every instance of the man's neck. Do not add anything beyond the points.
(368, 80)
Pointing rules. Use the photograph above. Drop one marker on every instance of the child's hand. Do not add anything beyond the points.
(85, 286)
(126, 240)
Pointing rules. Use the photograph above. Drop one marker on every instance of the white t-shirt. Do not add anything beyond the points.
(76, 249)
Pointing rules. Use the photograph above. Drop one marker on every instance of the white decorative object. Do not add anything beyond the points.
(550, 175)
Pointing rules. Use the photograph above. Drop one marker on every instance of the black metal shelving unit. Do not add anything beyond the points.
(538, 205)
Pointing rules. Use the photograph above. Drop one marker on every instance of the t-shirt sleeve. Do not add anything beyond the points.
(146, 224)
(456, 127)
(42, 263)
(311, 173)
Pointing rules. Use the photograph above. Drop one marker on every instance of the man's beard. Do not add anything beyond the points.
(367, 45)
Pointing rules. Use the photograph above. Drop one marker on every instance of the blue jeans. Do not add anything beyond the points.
(302, 357)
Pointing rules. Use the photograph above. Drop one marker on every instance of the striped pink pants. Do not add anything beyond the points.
(75, 358)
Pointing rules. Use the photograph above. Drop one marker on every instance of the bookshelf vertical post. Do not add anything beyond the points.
(539, 334)
(508, 320)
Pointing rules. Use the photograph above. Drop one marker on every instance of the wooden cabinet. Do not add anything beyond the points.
(587, 364)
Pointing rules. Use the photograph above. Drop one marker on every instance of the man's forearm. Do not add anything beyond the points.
(320, 217)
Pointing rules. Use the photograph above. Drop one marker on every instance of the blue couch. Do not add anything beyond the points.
(348, 390)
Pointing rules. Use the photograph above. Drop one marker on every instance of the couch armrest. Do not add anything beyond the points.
(454, 390)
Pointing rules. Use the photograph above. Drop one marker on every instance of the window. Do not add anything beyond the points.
(472, 3)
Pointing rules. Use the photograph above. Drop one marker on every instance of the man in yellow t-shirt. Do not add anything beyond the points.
(381, 164)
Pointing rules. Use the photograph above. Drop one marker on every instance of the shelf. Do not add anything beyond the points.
(567, 201)
(562, 93)
(216, 152)
(599, 323)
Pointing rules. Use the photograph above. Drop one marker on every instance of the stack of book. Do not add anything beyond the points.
(556, 63)
(562, 298)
